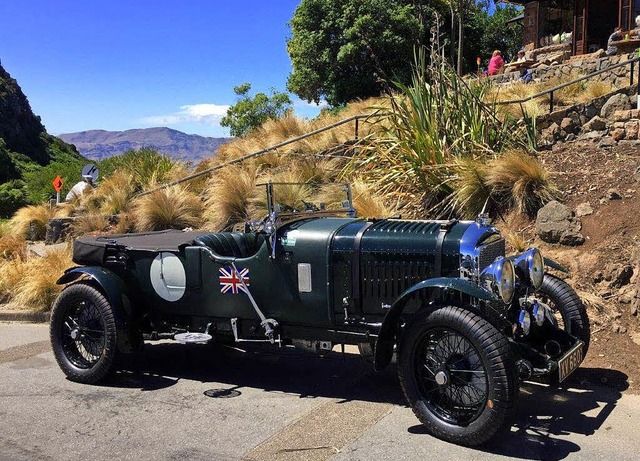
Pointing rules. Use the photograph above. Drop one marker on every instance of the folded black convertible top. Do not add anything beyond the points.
(89, 251)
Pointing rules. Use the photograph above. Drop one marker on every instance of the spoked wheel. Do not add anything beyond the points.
(567, 308)
(83, 333)
(458, 374)
(452, 376)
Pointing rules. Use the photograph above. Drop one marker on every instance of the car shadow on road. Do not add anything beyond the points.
(543, 414)
(269, 368)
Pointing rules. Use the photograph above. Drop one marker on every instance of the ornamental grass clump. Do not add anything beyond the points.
(519, 180)
(31, 221)
(435, 123)
(173, 207)
(227, 197)
(29, 282)
(367, 202)
(116, 192)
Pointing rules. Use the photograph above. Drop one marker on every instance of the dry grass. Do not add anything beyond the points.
(519, 179)
(516, 240)
(594, 89)
(581, 92)
(228, 195)
(90, 223)
(291, 196)
(12, 247)
(171, 208)
(30, 282)
(124, 224)
(289, 126)
(367, 202)
(31, 219)
(116, 193)
(471, 192)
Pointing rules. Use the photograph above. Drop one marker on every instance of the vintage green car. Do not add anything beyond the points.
(466, 324)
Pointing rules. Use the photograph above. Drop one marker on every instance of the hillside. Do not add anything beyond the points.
(29, 157)
(100, 144)
(605, 269)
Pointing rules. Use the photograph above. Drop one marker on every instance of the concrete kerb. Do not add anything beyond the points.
(24, 316)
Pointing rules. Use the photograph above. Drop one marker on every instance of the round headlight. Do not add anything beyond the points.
(499, 278)
(507, 281)
(537, 269)
(530, 268)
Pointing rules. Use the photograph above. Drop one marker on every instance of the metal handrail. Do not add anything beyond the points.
(266, 150)
(579, 79)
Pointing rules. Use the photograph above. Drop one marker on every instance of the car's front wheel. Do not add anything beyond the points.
(83, 333)
(458, 374)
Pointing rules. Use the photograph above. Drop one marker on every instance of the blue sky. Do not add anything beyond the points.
(117, 64)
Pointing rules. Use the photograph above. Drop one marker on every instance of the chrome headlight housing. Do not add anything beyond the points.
(529, 267)
(500, 279)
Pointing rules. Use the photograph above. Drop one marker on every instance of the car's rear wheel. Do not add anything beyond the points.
(83, 333)
(458, 374)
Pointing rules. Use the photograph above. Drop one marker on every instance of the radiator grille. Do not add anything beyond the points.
(489, 253)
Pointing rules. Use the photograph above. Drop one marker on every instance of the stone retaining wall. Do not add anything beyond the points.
(609, 119)
(578, 66)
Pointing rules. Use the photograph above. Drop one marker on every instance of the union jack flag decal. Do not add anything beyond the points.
(230, 282)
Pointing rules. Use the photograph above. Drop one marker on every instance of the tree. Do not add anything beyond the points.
(486, 29)
(342, 50)
(249, 113)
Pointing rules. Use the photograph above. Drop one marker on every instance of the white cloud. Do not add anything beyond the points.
(207, 114)
(301, 103)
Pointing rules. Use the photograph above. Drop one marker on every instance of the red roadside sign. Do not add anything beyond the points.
(57, 183)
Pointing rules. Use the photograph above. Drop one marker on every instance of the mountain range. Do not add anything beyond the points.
(100, 144)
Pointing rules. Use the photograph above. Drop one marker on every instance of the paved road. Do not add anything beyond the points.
(281, 405)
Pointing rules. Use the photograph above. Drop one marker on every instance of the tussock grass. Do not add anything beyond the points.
(116, 192)
(516, 240)
(31, 219)
(595, 89)
(519, 179)
(290, 197)
(124, 224)
(580, 92)
(30, 282)
(12, 247)
(472, 192)
(367, 202)
(228, 195)
(171, 208)
(289, 126)
(90, 223)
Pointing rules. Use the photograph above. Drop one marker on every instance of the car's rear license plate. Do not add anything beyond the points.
(570, 361)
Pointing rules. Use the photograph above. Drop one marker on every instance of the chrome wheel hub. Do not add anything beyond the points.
(442, 378)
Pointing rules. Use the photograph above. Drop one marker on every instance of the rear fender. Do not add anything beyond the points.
(432, 289)
(115, 290)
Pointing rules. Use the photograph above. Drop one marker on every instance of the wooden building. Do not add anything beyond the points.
(583, 26)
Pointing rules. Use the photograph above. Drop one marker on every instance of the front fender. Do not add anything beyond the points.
(385, 341)
(113, 288)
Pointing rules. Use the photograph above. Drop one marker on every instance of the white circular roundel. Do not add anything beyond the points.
(168, 276)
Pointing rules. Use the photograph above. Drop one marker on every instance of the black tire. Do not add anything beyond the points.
(462, 348)
(565, 303)
(366, 351)
(84, 333)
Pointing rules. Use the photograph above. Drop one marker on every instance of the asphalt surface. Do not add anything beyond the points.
(275, 404)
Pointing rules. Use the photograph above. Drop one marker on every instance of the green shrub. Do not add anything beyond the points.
(12, 196)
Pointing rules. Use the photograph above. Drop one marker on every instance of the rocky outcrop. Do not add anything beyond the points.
(557, 223)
